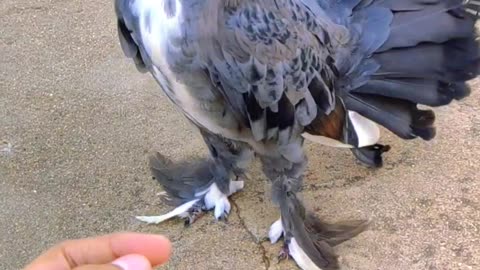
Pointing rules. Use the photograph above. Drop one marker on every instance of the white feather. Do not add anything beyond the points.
(179, 211)
(236, 186)
(326, 141)
(222, 206)
(276, 231)
(367, 131)
(214, 198)
(300, 257)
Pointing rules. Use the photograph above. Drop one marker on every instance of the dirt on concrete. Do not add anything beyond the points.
(77, 122)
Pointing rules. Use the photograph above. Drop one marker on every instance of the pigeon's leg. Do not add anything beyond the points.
(307, 240)
(206, 185)
(232, 157)
(230, 161)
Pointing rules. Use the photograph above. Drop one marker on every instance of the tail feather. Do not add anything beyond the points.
(371, 156)
(404, 53)
(455, 60)
(399, 116)
(424, 91)
(430, 53)
(435, 22)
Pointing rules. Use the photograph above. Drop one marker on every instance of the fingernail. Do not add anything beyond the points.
(132, 262)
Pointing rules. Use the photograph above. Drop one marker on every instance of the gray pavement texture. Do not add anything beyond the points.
(77, 123)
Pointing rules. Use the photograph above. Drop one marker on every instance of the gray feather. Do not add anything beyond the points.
(180, 184)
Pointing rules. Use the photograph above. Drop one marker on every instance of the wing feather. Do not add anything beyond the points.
(278, 56)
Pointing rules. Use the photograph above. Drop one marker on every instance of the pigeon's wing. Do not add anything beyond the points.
(127, 23)
(273, 62)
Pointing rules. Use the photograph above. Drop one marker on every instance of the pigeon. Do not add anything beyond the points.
(258, 78)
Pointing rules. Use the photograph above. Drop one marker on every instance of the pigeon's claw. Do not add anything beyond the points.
(284, 253)
(193, 215)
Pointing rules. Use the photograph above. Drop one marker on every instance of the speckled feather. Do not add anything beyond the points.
(270, 52)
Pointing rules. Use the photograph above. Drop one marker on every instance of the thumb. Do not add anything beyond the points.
(128, 262)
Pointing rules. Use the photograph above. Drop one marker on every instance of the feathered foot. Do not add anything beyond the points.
(324, 237)
(308, 240)
(194, 191)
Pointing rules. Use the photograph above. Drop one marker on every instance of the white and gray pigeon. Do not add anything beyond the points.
(258, 77)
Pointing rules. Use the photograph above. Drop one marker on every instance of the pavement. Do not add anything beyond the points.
(77, 123)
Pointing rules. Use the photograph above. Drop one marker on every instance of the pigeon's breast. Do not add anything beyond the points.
(194, 94)
(171, 43)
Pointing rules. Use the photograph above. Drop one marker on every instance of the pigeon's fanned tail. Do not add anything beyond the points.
(430, 52)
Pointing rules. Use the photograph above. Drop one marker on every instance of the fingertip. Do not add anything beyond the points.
(132, 262)
(156, 248)
(165, 251)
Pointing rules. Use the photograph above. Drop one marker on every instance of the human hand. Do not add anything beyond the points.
(125, 251)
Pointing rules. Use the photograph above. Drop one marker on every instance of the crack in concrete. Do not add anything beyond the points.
(265, 259)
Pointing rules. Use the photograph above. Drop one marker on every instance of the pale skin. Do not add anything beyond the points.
(118, 251)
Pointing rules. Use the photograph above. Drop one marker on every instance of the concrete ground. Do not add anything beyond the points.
(77, 123)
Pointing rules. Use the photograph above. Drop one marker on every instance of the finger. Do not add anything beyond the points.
(129, 262)
(103, 249)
